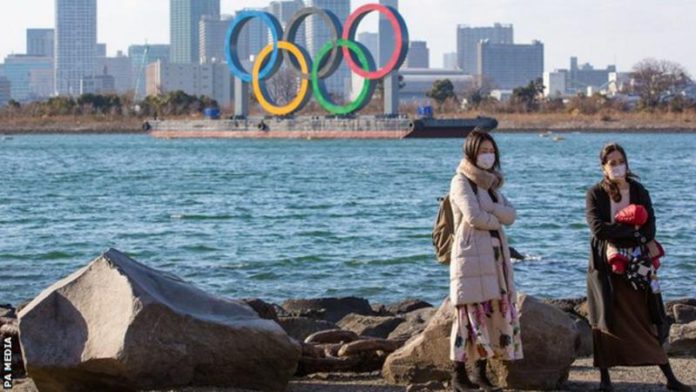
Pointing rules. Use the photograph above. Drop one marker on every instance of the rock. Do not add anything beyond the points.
(669, 306)
(375, 326)
(7, 311)
(300, 328)
(682, 340)
(119, 325)
(415, 323)
(585, 342)
(548, 342)
(361, 346)
(332, 336)
(265, 310)
(566, 305)
(425, 357)
(407, 306)
(309, 365)
(332, 309)
(9, 329)
(684, 314)
(431, 386)
(583, 310)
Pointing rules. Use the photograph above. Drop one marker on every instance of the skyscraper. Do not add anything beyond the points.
(75, 44)
(386, 35)
(252, 38)
(283, 11)
(40, 42)
(449, 61)
(318, 35)
(212, 39)
(185, 17)
(469, 37)
(509, 66)
(371, 42)
(418, 55)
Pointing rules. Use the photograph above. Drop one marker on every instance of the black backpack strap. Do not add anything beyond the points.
(473, 185)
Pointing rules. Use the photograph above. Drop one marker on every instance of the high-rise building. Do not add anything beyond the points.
(30, 76)
(252, 38)
(371, 42)
(386, 35)
(185, 17)
(101, 51)
(211, 80)
(449, 61)
(418, 55)
(119, 68)
(318, 35)
(584, 76)
(469, 37)
(283, 11)
(40, 42)
(75, 44)
(509, 66)
(212, 39)
(140, 56)
(5, 91)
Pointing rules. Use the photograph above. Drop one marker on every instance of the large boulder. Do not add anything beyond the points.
(118, 325)
(425, 357)
(415, 323)
(330, 309)
(374, 326)
(407, 306)
(549, 340)
(682, 340)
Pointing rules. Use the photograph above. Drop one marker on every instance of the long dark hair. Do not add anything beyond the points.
(610, 186)
(473, 144)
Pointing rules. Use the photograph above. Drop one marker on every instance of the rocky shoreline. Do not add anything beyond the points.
(152, 325)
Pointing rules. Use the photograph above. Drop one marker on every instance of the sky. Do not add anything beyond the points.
(600, 32)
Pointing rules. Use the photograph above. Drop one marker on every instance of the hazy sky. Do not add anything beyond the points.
(597, 31)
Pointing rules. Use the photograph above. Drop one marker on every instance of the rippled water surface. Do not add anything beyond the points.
(290, 219)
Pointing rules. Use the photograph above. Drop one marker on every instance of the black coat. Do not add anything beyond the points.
(599, 287)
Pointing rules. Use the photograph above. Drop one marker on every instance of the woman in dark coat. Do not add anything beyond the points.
(628, 324)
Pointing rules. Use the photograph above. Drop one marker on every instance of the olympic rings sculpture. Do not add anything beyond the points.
(329, 57)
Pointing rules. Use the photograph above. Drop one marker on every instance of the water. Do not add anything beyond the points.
(297, 219)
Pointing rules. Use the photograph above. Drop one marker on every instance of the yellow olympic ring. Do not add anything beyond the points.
(260, 93)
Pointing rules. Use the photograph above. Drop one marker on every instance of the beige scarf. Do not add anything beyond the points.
(483, 178)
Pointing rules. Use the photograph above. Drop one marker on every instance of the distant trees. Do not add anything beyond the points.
(529, 97)
(442, 90)
(656, 80)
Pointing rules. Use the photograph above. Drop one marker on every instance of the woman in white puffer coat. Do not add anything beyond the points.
(481, 276)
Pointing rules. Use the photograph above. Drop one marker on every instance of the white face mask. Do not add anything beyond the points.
(617, 172)
(485, 161)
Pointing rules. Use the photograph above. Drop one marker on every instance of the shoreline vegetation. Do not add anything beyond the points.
(628, 122)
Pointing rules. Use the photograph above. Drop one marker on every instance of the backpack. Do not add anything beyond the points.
(443, 229)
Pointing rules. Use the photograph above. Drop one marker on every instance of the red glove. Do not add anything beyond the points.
(634, 214)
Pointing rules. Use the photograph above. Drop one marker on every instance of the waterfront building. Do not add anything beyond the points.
(184, 26)
(386, 35)
(449, 61)
(31, 77)
(40, 42)
(120, 68)
(418, 55)
(468, 39)
(5, 91)
(212, 39)
(211, 80)
(75, 44)
(140, 56)
(509, 66)
(98, 84)
(417, 82)
(585, 76)
(555, 83)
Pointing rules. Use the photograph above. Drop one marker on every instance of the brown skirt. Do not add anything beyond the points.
(633, 339)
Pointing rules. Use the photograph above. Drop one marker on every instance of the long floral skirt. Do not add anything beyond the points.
(490, 329)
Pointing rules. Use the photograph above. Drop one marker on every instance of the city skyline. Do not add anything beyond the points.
(620, 32)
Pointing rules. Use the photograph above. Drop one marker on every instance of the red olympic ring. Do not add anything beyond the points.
(400, 34)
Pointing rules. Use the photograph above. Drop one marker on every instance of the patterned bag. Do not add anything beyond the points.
(640, 270)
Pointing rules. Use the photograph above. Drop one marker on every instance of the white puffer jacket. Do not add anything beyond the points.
(473, 273)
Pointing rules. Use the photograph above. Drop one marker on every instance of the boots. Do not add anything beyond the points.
(460, 379)
(605, 382)
(672, 383)
(481, 378)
